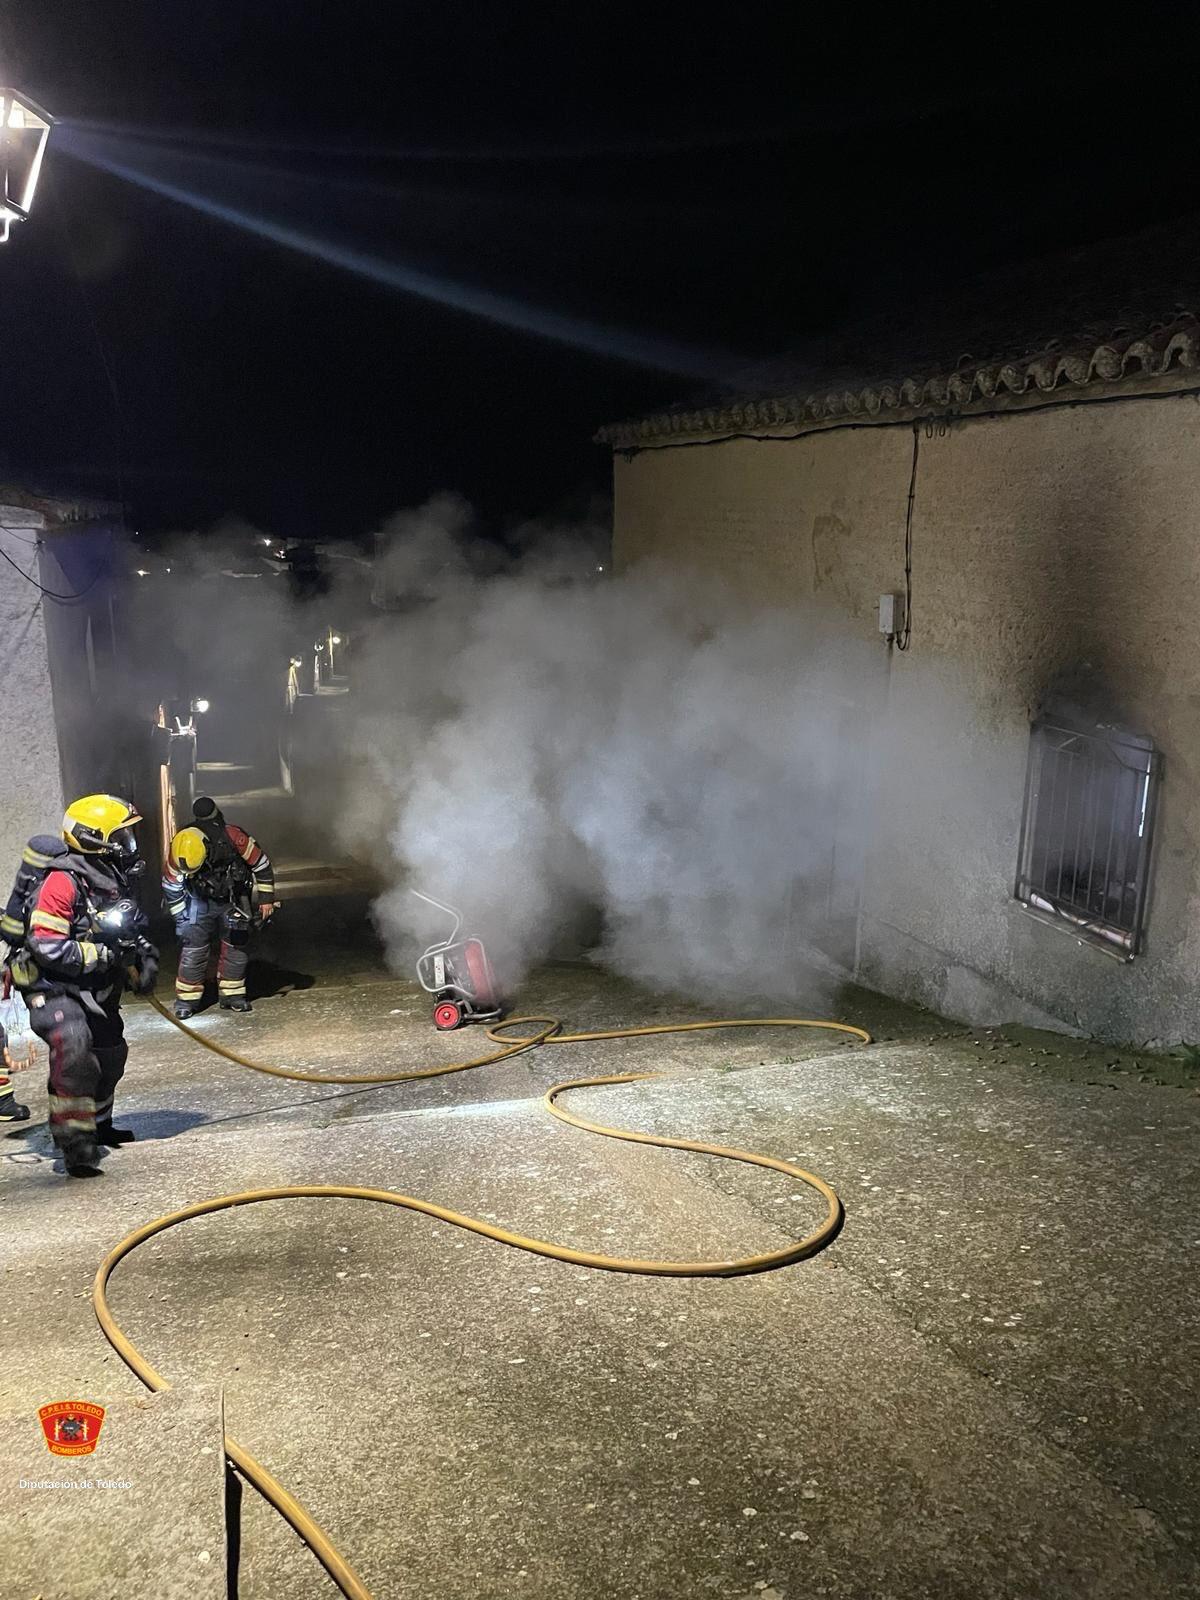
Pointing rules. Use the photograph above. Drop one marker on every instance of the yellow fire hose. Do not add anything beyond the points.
(547, 1031)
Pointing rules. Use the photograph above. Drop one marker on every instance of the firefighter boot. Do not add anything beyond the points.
(112, 1137)
(236, 1002)
(11, 1109)
(183, 1009)
(81, 1157)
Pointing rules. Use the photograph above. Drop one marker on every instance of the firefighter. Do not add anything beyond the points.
(218, 881)
(82, 946)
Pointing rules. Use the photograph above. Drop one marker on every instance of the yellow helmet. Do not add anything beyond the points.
(189, 850)
(101, 825)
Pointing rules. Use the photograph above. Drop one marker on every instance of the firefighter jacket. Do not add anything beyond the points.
(65, 944)
(236, 866)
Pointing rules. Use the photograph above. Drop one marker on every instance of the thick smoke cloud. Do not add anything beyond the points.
(542, 740)
(640, 766)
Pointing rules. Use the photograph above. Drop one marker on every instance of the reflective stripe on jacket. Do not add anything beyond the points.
(62, 932)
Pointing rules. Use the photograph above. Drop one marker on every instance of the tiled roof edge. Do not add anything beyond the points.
(1161, 349)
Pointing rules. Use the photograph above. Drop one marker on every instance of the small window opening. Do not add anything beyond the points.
(1086, 830)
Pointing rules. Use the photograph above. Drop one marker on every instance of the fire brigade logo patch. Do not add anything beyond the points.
(71, 1427)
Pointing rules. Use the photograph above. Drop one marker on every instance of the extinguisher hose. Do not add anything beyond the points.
(546, 1031)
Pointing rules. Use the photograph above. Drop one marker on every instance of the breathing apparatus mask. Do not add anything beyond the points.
(123, 852)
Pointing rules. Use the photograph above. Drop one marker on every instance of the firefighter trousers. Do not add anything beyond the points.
(87, 1059)
(199, 925)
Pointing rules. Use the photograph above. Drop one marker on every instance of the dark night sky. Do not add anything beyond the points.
(738, 178)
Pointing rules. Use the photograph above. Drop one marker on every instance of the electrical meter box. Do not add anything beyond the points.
(891, 614)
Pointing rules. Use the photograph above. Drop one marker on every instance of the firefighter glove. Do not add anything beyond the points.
(143, 975)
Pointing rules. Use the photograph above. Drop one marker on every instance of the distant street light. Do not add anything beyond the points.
(24, 130)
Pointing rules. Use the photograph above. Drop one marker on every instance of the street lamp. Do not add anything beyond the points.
(24, 130)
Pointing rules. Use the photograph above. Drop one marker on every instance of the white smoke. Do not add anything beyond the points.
(533, 744)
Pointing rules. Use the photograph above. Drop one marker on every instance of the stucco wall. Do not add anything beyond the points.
(30, 784)
(71, 722)
(1053, 550)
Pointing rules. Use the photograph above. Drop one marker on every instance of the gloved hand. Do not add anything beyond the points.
(143, 974)
(142, 978)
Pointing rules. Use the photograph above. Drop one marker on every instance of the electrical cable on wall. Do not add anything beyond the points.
(904, 638)
(51, 594)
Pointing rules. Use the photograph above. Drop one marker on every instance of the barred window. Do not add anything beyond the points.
(1086, 830)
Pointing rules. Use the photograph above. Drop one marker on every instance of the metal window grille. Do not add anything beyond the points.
(1086, 831)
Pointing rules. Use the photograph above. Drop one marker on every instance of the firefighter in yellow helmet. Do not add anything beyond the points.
(219, 881)
(80, 946)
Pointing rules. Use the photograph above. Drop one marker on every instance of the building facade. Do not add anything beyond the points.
(1028, 815)
(72, 720)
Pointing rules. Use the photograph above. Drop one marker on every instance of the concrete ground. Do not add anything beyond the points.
(986, 1387)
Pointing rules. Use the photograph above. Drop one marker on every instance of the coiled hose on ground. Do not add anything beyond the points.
(547, 1030)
